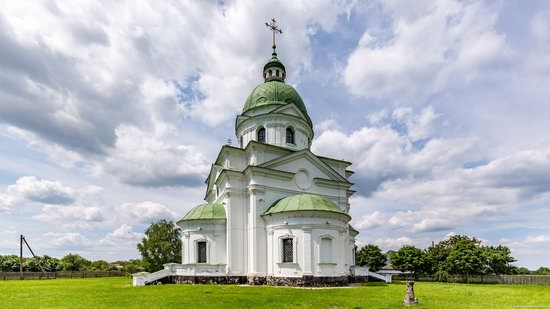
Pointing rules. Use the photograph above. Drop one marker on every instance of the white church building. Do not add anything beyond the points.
(273, 212)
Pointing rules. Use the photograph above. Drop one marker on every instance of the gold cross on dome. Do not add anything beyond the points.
(272, 25)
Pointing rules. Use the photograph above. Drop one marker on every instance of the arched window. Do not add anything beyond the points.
(241, 141)
(277, 73)
(270, 73)
(261, 135)
(289, 135)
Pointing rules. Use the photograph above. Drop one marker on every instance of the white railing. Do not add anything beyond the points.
(359, 271)
(174, 269)
(201, 270)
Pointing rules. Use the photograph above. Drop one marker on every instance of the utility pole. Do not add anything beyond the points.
(21, 240)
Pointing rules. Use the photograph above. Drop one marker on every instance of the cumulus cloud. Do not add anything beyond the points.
(124, 235)
(69, 240)
(31, 189)
(70, 215)
(393, 243)
(385, 151)
(428, 186)
(371, 221)
(146, 212)
(429, 47)
(538, 239)
(430, 225)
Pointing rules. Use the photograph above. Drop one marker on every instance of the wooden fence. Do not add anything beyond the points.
(60, 274)
(489, 279)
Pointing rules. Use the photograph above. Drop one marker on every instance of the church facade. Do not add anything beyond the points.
(274, 212)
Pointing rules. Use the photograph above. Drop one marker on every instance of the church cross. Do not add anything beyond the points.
(275, 29)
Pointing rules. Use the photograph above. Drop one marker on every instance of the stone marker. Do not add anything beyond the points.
(409, 296)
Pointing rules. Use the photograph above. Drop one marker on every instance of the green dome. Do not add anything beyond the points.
(274, 92)
(304, 202)
(274, 62)
(206, 212)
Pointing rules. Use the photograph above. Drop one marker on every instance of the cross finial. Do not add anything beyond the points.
(272, 25)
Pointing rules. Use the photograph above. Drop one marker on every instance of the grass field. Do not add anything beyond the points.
(118, 292)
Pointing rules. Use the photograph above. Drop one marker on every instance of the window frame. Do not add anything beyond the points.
(284, 244)
(293, 135)
(198, 252)
(261, 129)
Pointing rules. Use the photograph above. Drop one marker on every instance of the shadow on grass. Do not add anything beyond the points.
(374, 284)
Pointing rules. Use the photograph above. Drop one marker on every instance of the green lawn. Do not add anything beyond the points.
(118, 292)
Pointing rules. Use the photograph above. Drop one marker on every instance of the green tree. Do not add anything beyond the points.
(50, 263)
(498, 259)
(522, 271)
(31, 264)
(74, 262)
(466, 258)
(129, 267)
(542, 271)
(410, 259)
(100, 265)
(9, 263)
(370, 256)
(161, 245)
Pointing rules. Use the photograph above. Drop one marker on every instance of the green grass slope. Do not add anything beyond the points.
(118, 292)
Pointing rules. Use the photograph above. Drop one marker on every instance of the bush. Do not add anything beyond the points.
(441, 276)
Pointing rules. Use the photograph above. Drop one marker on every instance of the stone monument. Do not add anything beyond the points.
(410, 299)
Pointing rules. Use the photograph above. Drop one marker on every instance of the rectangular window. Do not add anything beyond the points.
(326, 250)
(288, 251)
(201, 252)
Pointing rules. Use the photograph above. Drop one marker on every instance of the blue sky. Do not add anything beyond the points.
(111, 113)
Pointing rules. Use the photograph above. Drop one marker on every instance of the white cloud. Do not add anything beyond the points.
(538, 239)
(430, 46)
(69, 240)
(70, 215)
(31, 189)
(371, 221)
(430, 225)
(381, 152)
(393, 243)
(146, 212)
(123, 236)
(143, 160)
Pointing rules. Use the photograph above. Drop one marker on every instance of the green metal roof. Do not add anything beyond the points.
(274, 62)
(206, 212)
(274, 92)
(304, 202)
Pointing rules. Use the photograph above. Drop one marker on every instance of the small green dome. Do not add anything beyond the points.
(274, 62)
(304, 202)
(206, 212)
(274, 92)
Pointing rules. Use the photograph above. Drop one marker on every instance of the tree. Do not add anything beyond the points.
(409, 259)
(522, 271)
(9, 263)
(74, 262)
(466, 258)
(542, 271)
(100, 265)
(161, 245)
(370, 256)
(50, 263)
(129, 267)
(498, 259)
